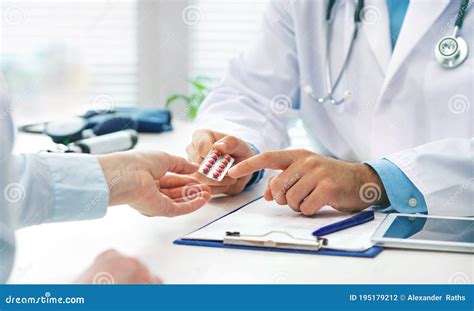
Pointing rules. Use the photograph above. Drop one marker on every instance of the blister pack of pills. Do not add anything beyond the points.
(216, 165)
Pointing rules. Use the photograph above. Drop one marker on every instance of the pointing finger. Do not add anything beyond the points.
(275, 160)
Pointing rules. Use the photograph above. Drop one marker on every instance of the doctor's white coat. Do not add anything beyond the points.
(404, 105)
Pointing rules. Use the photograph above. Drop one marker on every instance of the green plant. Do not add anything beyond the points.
(192, 101)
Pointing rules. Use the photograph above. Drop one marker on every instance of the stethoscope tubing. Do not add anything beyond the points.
(330, 86)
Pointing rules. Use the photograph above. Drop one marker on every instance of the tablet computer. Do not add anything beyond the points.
(454, 234)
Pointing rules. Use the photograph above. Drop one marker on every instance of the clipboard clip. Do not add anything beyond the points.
(275, 239)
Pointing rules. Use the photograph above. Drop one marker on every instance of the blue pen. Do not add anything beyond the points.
(353, 221)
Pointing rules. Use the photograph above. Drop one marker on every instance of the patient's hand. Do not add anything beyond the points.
(111, 267)
(140, 179)
(310, 181)
(205, 140)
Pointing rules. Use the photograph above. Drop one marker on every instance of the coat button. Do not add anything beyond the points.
(412, 202)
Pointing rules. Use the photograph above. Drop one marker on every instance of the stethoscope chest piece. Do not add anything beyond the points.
(451, 51)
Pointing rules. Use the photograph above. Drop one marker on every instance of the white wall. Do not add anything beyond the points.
(163, 50)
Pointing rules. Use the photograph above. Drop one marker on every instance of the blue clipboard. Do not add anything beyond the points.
(369, 253)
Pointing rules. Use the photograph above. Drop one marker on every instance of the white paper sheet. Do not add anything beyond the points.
(261, 217)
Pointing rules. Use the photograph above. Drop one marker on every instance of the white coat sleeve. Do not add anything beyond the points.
(443, 171)
(260, 85)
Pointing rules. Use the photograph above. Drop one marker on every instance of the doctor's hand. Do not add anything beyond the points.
(310, 181)
(111, 267)
(140, 180)
(205, 140)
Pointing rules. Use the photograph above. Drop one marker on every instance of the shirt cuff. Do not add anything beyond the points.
(402, 194)
(78, 186)
(257, 176)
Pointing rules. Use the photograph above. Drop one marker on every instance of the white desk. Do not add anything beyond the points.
(55, 253)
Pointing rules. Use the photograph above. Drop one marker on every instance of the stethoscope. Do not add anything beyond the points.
(451, 51)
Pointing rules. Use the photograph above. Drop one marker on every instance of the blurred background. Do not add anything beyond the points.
(61, 58)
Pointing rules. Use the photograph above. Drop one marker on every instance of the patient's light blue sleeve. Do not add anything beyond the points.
(38, 188)
(79, 188)
(403, 195)
(59, 187)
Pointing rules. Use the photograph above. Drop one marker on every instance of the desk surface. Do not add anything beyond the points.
(56, 253)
